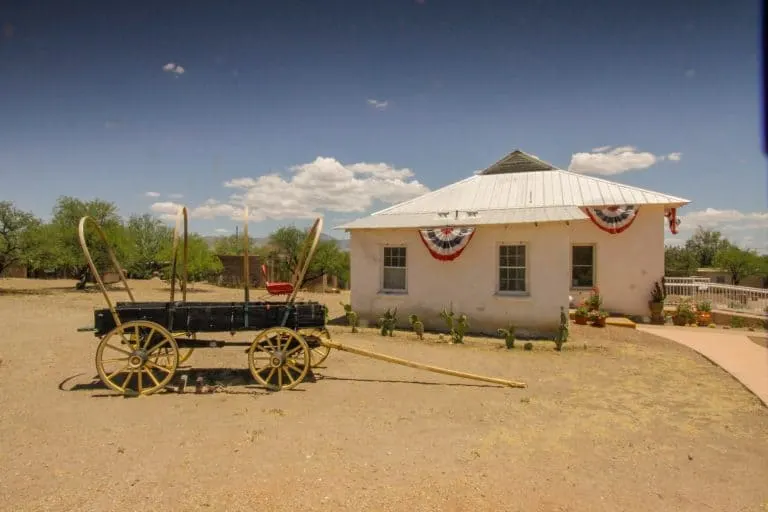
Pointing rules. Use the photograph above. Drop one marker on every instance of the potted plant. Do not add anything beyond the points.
(656, 304)
(581, 315)
(594, 301)
(597, 317)
(684, 314)
(704, 313)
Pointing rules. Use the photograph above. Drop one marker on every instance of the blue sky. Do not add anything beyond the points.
(341, 107)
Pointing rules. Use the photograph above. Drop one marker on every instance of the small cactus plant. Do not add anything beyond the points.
(562, 331)
(418, 326)
(387, 322)
(509, 336)
(351, 316)
(457, 326)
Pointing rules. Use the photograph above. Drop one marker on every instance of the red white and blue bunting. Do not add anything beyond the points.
(446, 244)
(613, 219)
(671, 215)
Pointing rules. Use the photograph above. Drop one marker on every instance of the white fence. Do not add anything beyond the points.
(722, 296)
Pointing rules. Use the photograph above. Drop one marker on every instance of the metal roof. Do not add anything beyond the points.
(514, 195)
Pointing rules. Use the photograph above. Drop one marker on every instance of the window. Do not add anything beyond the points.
(512, 276)
(394, 269)
(582, 266)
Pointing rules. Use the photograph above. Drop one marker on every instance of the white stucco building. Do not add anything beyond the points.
(511, 244)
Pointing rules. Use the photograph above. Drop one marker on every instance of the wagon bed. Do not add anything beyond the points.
(193, 317)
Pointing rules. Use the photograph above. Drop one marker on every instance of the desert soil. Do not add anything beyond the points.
(619, 421)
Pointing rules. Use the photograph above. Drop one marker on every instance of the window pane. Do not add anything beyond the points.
(583, 255)
(394, 256)
(394, 279)
(583, 276)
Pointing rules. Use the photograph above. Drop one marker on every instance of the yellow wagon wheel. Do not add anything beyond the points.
(185, 353)
(279, 358)
(137, 358)
(319, 353)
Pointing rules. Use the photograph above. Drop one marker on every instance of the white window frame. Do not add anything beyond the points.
(384, 268)
(594, 266)
(527, 268)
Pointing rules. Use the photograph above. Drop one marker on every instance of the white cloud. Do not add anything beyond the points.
(221, 230)
(175, 196)
(379, 105)
(167, 209)
(173, 68)
(746, 229)
(152, 194)
(324, 184)
(675, 157)
(729, 219)
(609, 160)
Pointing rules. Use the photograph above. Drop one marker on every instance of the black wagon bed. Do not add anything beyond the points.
(214, 316)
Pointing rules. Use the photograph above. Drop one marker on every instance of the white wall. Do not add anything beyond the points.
(627, 264)
(469, 282)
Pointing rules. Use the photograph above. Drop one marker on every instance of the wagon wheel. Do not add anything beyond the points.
(137, 358)
(320, 352)
(184, 353)
(279, 358)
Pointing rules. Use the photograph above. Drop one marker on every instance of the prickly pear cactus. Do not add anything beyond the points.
(351, 316)
(461, 328)
(418, 326)
(387, 322)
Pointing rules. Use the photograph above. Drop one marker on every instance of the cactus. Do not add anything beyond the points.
(387, 322)
(457, 326)
(509, 336)
(351, 316)
(562, 331)
(418, 326)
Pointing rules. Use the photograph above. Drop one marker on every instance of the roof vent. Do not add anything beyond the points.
(517, 161)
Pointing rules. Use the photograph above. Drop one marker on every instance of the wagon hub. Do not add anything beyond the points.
(277, 359)
(137, 359)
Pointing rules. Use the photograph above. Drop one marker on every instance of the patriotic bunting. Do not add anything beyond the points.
(446, 244)
(613, 219)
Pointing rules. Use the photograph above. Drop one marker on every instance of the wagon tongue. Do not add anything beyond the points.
(86, 329)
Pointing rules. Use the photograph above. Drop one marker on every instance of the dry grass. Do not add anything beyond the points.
(620, 420)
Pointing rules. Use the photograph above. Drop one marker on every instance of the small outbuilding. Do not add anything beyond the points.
(511, 244)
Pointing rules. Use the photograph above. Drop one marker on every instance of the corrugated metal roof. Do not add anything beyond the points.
(552, 192)
(462, 218)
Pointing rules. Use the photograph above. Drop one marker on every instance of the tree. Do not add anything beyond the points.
(288, 243)
(233, 245)
(679, 262)
(66, 216)
(16, 227)
(202, 262)
(148, 237)
(705, 243)
(738, 262)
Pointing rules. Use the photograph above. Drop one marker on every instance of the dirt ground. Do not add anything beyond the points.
(619, 421)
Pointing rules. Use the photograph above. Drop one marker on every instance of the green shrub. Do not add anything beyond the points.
(351, 316)
(387, 322)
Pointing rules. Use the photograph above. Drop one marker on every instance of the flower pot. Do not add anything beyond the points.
(580, 320)
(600, 322)
(679, 320)
(656, 307)
(704, 318)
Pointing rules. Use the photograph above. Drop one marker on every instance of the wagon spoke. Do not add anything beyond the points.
(152, 376)
(289, 375)
(120, 359)
(156, 347)
(113, 374)
(158, 367)
(293, 367)
(293, 350)
(148, 339)
(127, 380)
(118, 349)
(280, 379)
(139, 375)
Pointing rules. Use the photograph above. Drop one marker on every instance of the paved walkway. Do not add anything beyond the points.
(733, 352)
